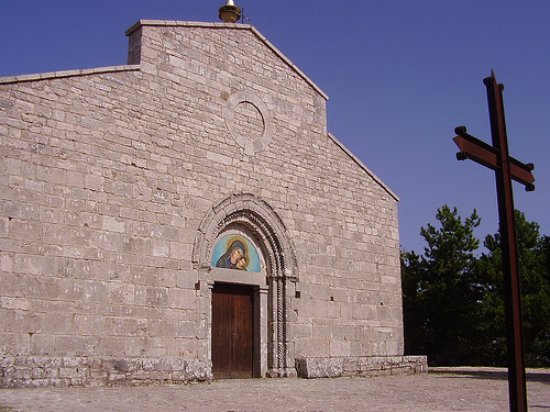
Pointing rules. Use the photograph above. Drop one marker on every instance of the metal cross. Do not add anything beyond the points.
(506, 168)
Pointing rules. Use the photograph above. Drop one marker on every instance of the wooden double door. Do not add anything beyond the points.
(232, 331)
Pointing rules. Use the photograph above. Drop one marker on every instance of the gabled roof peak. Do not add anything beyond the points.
(238, 26)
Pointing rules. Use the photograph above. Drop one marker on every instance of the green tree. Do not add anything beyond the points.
(534, 270)
(453, 301)
(442, 294)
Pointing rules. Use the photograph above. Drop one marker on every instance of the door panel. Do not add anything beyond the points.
(221, 334)
(232, 331)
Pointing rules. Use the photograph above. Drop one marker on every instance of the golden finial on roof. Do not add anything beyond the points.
(229, 13)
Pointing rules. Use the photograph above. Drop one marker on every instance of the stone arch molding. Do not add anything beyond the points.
(269, 232)
(264, 224)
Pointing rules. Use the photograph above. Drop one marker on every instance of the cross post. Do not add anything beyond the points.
(506, 168)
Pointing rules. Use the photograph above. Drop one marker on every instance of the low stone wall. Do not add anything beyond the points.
(40, 371)
(335, 367)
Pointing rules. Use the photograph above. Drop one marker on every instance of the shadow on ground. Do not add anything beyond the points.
(542, 376)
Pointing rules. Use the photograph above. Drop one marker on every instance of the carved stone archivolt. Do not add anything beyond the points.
(268, 231)
(261, 221)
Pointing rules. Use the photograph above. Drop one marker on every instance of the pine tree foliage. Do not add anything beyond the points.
(534, 269)
(453, 295)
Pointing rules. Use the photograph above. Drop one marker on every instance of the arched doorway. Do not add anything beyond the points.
(269, 289)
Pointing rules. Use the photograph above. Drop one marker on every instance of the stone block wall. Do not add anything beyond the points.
(108, 173)
(47, 371)
(363, 366)
(94, 242)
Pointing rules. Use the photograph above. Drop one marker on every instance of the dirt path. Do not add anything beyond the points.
(457, 389)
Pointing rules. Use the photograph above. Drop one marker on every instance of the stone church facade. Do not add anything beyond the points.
(188, 217)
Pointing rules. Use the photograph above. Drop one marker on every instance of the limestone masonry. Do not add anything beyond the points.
(145, 207)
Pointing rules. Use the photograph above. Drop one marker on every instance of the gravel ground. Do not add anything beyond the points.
(443, 389)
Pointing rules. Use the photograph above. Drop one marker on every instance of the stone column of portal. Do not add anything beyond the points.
(272, 346)
(288, 354)
(280, 328)
(262, 330)
(205, 318)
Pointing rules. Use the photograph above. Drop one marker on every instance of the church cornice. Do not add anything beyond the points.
(68, 73)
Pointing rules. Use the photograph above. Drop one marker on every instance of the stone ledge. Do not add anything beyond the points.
(335, 367)
(68, 73)
(44, 371)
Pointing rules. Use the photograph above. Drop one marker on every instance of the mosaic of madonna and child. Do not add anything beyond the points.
(235, 252)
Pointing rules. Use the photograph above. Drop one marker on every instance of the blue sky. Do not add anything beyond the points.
(400, 75)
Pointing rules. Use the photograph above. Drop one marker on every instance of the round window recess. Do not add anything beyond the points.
(248, 121)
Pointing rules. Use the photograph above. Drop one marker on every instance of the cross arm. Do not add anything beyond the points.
(487, 155)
